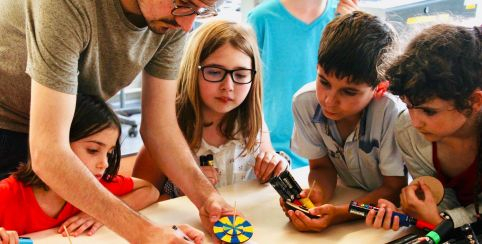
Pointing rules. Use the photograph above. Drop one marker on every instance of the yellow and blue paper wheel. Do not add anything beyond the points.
(233, 230)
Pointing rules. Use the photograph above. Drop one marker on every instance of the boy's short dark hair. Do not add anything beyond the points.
(358, 46)
(444, 61)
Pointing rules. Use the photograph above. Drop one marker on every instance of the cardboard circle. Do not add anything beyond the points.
(435, 186)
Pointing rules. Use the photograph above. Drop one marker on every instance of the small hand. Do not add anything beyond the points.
(194, 234)
(8, 236)
(425, 209)
(79, 223)
(302, 222)
(283, 206)
(211, 173)
(269, 164)
(383, 219)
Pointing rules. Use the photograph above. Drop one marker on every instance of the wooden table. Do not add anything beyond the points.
(259, 204)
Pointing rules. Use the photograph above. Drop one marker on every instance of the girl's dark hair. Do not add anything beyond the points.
(92, 115)
(478, 182)
(444, 61)
(359, 46)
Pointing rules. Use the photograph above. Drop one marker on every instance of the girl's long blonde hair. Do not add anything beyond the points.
(245, 121)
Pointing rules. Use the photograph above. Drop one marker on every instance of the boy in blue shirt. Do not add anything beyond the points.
(344, 120)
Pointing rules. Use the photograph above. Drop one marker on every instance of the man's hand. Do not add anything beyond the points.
(168, 235)
(347, 6)
(269, 164)
(8, 237)
(79, 223)
(214, 208)
(194, 234)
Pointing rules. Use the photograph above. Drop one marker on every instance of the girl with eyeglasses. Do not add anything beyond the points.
(218, 107)
(440, 78)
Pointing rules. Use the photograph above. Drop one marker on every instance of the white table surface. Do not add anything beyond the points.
(259, 204)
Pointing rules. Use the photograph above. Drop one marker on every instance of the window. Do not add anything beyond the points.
(410, 15)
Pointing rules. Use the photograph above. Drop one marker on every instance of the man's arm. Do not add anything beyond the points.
(166, 145)
(53, 160)
(165, 142)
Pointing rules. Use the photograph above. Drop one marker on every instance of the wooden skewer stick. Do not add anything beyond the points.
(311, 189)
(67, 232)
(234, 221)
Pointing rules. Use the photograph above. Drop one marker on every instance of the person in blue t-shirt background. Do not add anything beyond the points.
(288, 33)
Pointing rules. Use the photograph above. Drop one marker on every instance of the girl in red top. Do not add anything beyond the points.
(28, 205)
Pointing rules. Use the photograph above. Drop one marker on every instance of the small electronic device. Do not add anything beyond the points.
(469, 233)
(25, 240)
(290, 190)
(405, 220)
(206, 160)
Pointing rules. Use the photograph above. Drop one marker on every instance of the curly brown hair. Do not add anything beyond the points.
(444, 61)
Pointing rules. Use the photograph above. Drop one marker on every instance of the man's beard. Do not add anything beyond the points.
(161, 26)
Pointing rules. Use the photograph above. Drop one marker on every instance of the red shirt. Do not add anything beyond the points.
(20, 211)
(463, 184)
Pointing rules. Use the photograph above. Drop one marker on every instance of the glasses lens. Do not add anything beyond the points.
(206, 12)
(182, 11)
(243, 76)
(213, 74)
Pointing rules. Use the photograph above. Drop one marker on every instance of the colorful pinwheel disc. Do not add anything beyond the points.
(233, 230)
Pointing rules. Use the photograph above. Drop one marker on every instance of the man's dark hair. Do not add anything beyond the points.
(358, 46)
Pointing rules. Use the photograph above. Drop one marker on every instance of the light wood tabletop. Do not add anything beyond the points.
(260, 206)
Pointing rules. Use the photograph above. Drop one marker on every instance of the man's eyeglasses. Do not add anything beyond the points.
(190, 10)
(217, 74)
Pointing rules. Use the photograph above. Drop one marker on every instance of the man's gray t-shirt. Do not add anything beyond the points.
(72, 46)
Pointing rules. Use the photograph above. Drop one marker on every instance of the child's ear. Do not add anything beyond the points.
(381, 88)
(476, 100)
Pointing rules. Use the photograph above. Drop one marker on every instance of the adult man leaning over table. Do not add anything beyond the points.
(51, 50)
